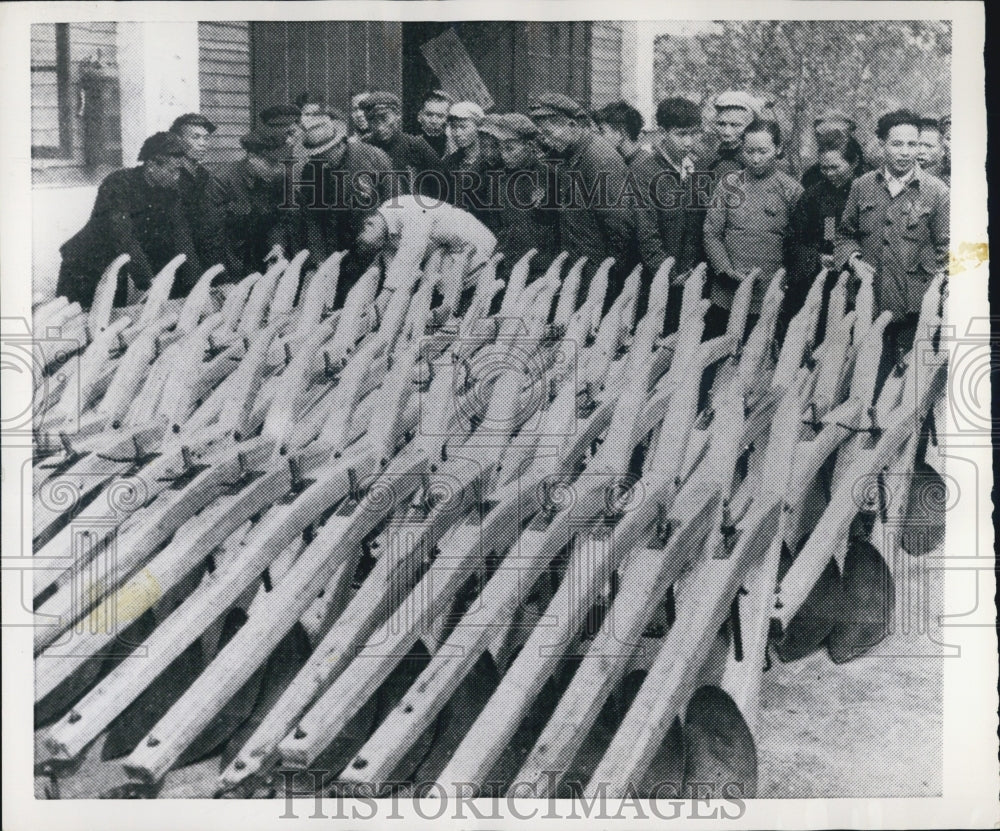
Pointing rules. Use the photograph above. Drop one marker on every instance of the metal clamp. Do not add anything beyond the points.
(189, 470)
(813, 421)
(136, 460)
(875, 431)
(119, 348)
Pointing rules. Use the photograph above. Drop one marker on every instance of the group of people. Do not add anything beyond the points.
(595, 183)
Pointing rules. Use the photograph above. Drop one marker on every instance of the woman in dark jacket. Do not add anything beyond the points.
(814, 221)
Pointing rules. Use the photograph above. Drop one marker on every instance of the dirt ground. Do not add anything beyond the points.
(869, 728)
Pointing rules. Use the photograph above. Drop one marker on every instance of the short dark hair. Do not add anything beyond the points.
(765, 125)
(896, 118)
(621, 116)
(678, 113)
(846, 146)
(928, 123)
(438, 95)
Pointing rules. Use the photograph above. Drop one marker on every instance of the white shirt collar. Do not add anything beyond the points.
(897, 183)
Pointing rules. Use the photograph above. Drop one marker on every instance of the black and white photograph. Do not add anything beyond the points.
(498, 416)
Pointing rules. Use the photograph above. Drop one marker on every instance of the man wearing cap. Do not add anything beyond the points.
(595, 218)
(137, 212)
(407, 229)
(342, 183)
(408, 153)
(244, 199)
(433, 121)
(734, 110)
(828, 127)
(193, 130)
(283, 119)
(519, 226)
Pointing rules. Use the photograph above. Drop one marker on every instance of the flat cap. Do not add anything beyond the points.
(265, 143)
(737, 99)
(555, 103)
(161, 144)
(317, 109)
(376, 103)
(466, 109)
(831, 118)
(191, 120)
(510, 126)
(279, 115)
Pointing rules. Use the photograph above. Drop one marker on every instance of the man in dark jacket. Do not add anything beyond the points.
(622, 124)
(341, 184)
(194, 130)
(594, 215)
(897, 221)
(244, 199)
(433, 121)
(519, 227)
(832, 127)
(137, 212)
(408, 153)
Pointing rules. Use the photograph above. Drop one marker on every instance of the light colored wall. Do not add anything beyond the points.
(56, 214)
(159, 78)
(158, 66)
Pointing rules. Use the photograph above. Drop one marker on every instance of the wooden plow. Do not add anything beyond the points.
(416, 541)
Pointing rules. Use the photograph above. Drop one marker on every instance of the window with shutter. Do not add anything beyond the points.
(75, 102)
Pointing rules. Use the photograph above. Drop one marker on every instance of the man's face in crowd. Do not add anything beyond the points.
(680, 141)
(195, 140)
(358, 118)
(490, 148)
(164, 171)
(834, 167)
(463, 131)
(613, 135)
(292, 132)
(930, 148)
(385, 125)
(557, 132)
(946, 137)
(901, 145)
(516, 153)
(730, 124)
(433, 116)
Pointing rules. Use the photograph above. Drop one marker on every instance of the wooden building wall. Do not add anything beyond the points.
(606, 45)
(224, 80)
(336, 59)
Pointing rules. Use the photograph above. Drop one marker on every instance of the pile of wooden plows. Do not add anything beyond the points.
(404, 546)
